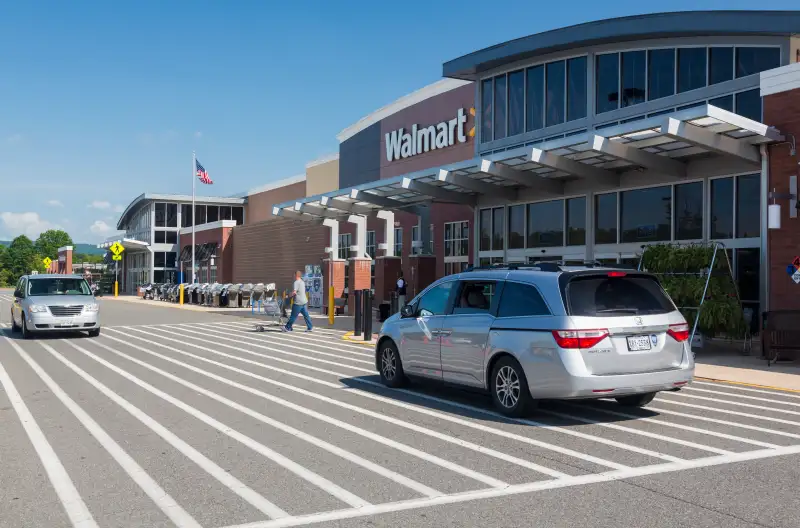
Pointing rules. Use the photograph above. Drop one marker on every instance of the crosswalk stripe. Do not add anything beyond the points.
(375, 468)
(435, 434)
(746, 389)
(231, 482)
(301, 336)
(384, 440)
(743, 396)
(727, 411)
(70, 499)
(729, 402)
(161, 498)
(776, 432)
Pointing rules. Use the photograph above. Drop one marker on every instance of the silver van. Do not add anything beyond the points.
(528, 333)
(54, 303)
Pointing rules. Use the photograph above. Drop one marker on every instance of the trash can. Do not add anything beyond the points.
(215, 295)
(245, 294)
(233, 295)
(383, 311)
(258, 293)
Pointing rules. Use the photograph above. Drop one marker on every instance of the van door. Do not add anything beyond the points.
(420, 339)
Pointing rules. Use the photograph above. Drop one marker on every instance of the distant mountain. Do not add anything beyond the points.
(86, 249)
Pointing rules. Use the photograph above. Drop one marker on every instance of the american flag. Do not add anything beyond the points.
(202, 174)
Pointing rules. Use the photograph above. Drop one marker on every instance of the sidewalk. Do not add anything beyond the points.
(749, 370)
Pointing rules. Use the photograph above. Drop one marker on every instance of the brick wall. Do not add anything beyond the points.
(782, 110)
(224, 260)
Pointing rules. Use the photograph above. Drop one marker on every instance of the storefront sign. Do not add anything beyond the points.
(401, 144)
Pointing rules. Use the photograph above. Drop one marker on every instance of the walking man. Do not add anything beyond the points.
(300, 305)
(401, 290)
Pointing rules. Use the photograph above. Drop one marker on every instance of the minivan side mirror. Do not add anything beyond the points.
(18, 294)
(407, 311)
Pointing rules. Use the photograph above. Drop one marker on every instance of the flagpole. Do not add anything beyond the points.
(194, 183)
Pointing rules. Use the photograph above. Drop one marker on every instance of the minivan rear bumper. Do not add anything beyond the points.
(583, 387)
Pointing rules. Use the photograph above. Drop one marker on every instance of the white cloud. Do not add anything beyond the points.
(119, 208)
(55, 203)
(29, 224)
(14, 139)
(100, 228)
(100, 204)
(198, 134)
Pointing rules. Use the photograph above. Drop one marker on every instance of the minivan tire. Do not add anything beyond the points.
(14, 327)
(636, 400)
(26, 334)
(390, 365)
(509, 388)
(94, 333)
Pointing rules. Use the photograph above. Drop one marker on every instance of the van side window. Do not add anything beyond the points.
(434, 302)
(475, 297)
(521, 300)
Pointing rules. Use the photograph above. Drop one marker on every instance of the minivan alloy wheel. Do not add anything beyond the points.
(507, 386)
(388, 363)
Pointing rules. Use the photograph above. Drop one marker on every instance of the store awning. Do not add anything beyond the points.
(665, 144)
(129, 244)
(201, 252)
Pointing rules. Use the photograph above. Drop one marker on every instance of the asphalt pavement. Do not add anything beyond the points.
(183, 418)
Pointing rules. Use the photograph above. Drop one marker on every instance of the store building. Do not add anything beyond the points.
(589, 142)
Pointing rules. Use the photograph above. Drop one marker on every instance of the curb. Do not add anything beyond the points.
(358, 340)
(754, 385)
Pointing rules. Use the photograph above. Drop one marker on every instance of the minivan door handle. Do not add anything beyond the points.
(444, 332)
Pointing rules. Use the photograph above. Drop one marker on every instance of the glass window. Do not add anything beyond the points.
(645, 215)
(371, 244)
(725, 102)
(546, 224)
(161, 237)
(750, 61)
(500, 107)
(486, 110)
(748, 104)
(607, 91)
(172, 215)
(748, 265)
(200, 214)
(689, 211)
(161, 214)
(556, 98)
(171, 259)
(633, 77)
(498, 228)
(485, 221)
(722, 208)
(238, 215)
(576, 88)
(451, 268)
(516, 103)
(224, 212)
(171, 237)
(720, 65)
(599, 295)
(434, 302)
(398, 241)
(748, 210)
(456, 239)
(159, 258)
(186, 215)
(212, 213)
(475, 297)
(576, 221)
(521, 300)
(344, 246)
(661, 73)
(691, 68)
(605, 218)
(534, 97)
(516, 227)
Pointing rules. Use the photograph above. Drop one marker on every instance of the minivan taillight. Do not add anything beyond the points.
(679, 332)
(579, 338)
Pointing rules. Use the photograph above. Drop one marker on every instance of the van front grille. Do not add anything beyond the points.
(66, 311)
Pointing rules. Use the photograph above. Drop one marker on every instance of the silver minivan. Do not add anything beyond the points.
(54, 303)
(541, 332)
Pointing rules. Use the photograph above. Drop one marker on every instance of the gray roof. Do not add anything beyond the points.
(181, 198)
(639, 27)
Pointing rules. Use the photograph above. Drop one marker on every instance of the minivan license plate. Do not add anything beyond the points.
(638, 343)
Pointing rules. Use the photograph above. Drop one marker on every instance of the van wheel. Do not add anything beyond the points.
(14, 327)
(391, 366)
(94, 333)
(26, 334)
(510, 388)
(636, 400)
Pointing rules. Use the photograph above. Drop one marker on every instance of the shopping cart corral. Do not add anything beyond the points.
(272, 306)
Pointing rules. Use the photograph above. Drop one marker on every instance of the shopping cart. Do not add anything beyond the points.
(272, 306)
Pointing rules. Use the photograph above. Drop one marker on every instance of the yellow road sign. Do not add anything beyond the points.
(116, 248)
(116, 257)
(47, 261)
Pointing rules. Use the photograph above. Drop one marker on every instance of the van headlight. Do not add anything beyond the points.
(92, 307)
(37, 308)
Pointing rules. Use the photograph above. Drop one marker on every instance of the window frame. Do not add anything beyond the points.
(527, 284)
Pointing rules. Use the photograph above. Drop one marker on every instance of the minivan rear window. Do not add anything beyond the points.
(601, 295)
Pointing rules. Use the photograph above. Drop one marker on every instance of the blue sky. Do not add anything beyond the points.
(105, 100)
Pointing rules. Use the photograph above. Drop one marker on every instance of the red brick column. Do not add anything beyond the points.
(423, 272)
(332, 275)
(386, 270)
(64, 265)
(360, 270)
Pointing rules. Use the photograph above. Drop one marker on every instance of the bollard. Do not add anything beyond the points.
(331, 305)
(116, 289)
(357, 315)
(180, 288)
(395, 303)
(368, 315)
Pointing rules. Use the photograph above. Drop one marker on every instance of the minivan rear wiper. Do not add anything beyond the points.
(618, 310)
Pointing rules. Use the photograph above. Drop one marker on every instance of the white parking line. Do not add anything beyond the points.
(76, 509)
(343, 346)
(661, 410)
(231, 482)
(435, 434)
(161, 498)
(743, 396)
(385, 441)
(347, 455)
(746, 389)
(726, 411)
(729, 402)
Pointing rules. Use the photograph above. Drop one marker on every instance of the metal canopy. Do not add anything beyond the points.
(664, 144)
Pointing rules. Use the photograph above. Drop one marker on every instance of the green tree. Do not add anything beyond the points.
(48, 242)
(21, 258)
(5, 275)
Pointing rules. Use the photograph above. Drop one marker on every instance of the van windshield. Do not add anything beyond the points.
(54, 286)
(601, 295)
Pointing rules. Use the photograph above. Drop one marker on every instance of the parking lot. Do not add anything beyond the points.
(180, 418)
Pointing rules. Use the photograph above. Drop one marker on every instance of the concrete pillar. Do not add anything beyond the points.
(386, 271)
(333, 249)
(360, 246)
(388, 235)
(425, 229)
(64, 265)
(423, 273)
